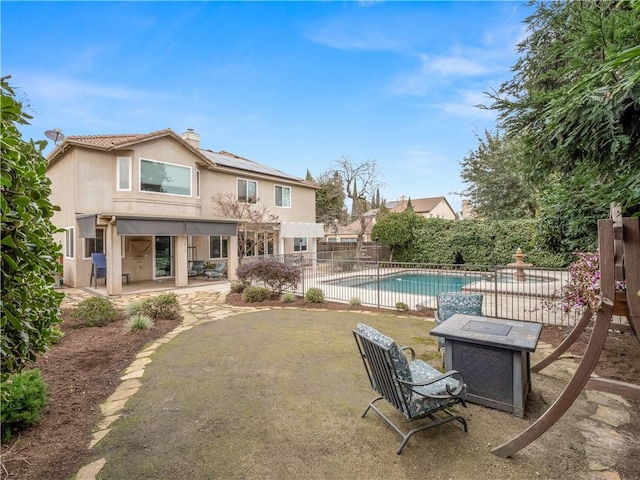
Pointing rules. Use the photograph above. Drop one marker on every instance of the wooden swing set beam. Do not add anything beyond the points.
(619, 260)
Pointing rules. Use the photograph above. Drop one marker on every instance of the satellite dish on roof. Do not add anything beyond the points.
(55, 135)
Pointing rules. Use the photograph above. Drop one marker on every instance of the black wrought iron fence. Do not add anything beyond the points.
(519, 293)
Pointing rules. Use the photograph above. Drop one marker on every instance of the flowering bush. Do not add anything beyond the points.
(583, 288)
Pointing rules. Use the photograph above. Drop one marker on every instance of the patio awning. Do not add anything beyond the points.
(143, 226)
(158, 226)
(86, 225)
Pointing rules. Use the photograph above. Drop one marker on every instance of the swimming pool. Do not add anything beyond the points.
(415, 283)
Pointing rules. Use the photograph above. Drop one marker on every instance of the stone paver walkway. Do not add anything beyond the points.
(603, 445)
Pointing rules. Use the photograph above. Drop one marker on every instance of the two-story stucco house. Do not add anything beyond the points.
(155, 202)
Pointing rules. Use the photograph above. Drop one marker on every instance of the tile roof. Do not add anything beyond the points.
(108, 142)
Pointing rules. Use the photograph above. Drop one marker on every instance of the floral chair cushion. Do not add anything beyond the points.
(398, 358)
(451, 303)
(420, 405)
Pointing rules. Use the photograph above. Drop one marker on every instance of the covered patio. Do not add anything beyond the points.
(149, 254)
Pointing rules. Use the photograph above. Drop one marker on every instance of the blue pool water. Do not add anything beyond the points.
(418, 283)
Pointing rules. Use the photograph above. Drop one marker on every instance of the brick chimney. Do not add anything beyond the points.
(192, 137)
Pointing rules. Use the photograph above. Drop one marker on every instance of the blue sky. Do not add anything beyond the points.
(294, 85)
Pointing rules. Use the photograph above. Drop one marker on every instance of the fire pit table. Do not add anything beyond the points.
(493, 356)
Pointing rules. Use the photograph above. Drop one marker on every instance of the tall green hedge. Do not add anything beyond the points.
(29, 253)
(435, 240)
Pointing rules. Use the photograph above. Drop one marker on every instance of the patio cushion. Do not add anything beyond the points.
(422, 372)
(451, 303)
(398, 358)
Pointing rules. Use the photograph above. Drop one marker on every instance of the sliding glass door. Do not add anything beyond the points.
(163, 256)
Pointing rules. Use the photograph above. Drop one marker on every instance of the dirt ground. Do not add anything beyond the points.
(85, 367)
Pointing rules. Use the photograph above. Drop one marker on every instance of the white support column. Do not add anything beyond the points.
(280, 245)
(181, 264)
(114, 260)
(232, 264)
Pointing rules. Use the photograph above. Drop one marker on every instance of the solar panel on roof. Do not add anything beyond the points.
(248, 165)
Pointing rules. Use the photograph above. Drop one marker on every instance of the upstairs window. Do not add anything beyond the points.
(167, 178)
(197, 183)
(247, 191)
(124, 173)
(283, 196)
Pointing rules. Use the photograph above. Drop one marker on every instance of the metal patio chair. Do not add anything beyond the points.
(412, 387)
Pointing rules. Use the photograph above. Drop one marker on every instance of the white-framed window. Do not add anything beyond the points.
(163, 177)
(218, 246)
(247, 191)
(69, 236)
(283, 196)
(300, 244)
(94, 245)
(123, 173)
(197, 183)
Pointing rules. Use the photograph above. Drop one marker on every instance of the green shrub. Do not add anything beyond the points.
(94, 312)
(288, 297)
(237, 286)
(138, 322)
(355, 302)
(273, 273)
(162, 307)
(402, 306)
(314, 295)
(255, 294)
(24, 397)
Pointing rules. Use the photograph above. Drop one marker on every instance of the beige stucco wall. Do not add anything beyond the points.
(61, 175)
(217, 183)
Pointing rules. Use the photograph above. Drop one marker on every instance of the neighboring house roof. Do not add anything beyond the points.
(213, 159)
(352, 228)
(420, 205)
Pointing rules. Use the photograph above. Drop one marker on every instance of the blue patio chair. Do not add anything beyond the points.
(98, 268)
(412, 387)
